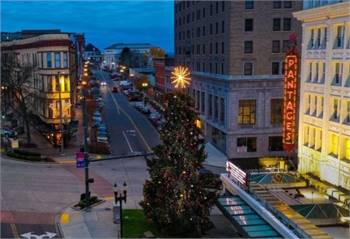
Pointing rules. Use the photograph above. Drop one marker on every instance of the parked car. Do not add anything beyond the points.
(101, 138)
(115, 89)
(146, 110)
(134, 96)
(139, 105)
(6, 132)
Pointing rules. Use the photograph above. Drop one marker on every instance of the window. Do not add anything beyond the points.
(246, 144)
(203, 49)
(198, 14)
(211, 29)
(216, 68)
(249, 4)
(217, 7)
(287, 4)
(216, 48)
(198, 49)
(276, 24)
(333, 146)
(222, 47)
(247, 110)
(216, 107)
(216, 28)
(202, 100)
(310, 72)
(248, 68)
(311, 43)
(275, 68)
(197, 100)
(248, 47)
(210, 98)
(203, 32)
(276, 111)
(347, 148)
(340, 37)
(222, 27)
(276, 48)
(198, 32)
(222, 110)
(275, 143)
(211, 48)
(210, 67)
(285, 45)
(338, 73)
(347, 113)
(287, 24)
(248, 25)
(318, 39)
(57, 59)
(316, 71)
(211, 9)
(223, 6)
(48, 60)
(276, 4)
(335, 109)
(222, 68)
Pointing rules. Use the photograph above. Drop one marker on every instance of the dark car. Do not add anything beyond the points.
(115, 89)
(134, 96)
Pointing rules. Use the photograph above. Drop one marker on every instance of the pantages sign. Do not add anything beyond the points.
(290, 100)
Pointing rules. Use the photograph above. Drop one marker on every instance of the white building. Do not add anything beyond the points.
(112, 54)
(324, 110)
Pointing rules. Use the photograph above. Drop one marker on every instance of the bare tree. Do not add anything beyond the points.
(16, 78)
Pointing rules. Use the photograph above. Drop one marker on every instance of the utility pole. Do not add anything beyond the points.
(61, 113)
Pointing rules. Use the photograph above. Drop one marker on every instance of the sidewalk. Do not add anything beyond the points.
(96, 223)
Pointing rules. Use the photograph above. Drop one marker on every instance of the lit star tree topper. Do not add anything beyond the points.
(180, 77)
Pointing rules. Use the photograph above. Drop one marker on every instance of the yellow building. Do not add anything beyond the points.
(324, 110)
(52, 56)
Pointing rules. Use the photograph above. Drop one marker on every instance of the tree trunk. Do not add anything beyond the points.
(27, 128)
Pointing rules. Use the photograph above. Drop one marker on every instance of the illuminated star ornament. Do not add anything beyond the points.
(180, 77)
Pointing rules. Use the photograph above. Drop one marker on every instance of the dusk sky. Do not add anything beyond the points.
(103, 22)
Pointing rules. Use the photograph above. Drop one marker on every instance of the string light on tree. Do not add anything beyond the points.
(180, 77)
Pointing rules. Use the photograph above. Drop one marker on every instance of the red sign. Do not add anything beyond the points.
(290, 101)
(159, 66)
(236, 173)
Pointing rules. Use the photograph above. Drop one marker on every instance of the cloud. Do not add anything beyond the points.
(103, 22)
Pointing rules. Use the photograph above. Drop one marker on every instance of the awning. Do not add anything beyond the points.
(214, 156)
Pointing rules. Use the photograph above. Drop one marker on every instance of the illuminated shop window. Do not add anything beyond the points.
(246, 144)
(247, 112)
(333, 146)
(347, 148)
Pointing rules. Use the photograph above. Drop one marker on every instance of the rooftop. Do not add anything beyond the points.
(129, 45)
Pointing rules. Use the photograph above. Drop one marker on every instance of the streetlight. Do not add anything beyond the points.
(120, 196)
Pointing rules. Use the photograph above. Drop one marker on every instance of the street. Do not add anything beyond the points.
(130, 131)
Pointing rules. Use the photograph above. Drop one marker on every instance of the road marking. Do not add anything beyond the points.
(127, 141)
(65, 218)
(131, 120)
(14, 230)
(29, 235)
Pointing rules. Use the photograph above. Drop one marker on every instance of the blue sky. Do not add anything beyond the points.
(103, 22)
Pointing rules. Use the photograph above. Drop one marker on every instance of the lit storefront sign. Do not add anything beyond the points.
(290, 99)
(236, 173)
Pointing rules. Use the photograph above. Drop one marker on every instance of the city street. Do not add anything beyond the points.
(130, 131)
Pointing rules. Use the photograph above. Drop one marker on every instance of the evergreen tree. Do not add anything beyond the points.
(177, 197)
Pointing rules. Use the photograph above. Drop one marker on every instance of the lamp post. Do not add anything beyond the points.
(61, 112)
(120, 196)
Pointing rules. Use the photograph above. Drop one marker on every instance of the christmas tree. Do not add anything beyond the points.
(177, 198)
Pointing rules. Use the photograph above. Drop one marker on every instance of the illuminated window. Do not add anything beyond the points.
(333, 146)
(318, 140)
(247, 112)
(276, 111)
(347, 148)
(246, 144)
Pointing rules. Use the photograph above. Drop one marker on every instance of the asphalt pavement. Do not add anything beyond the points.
(130, 131)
